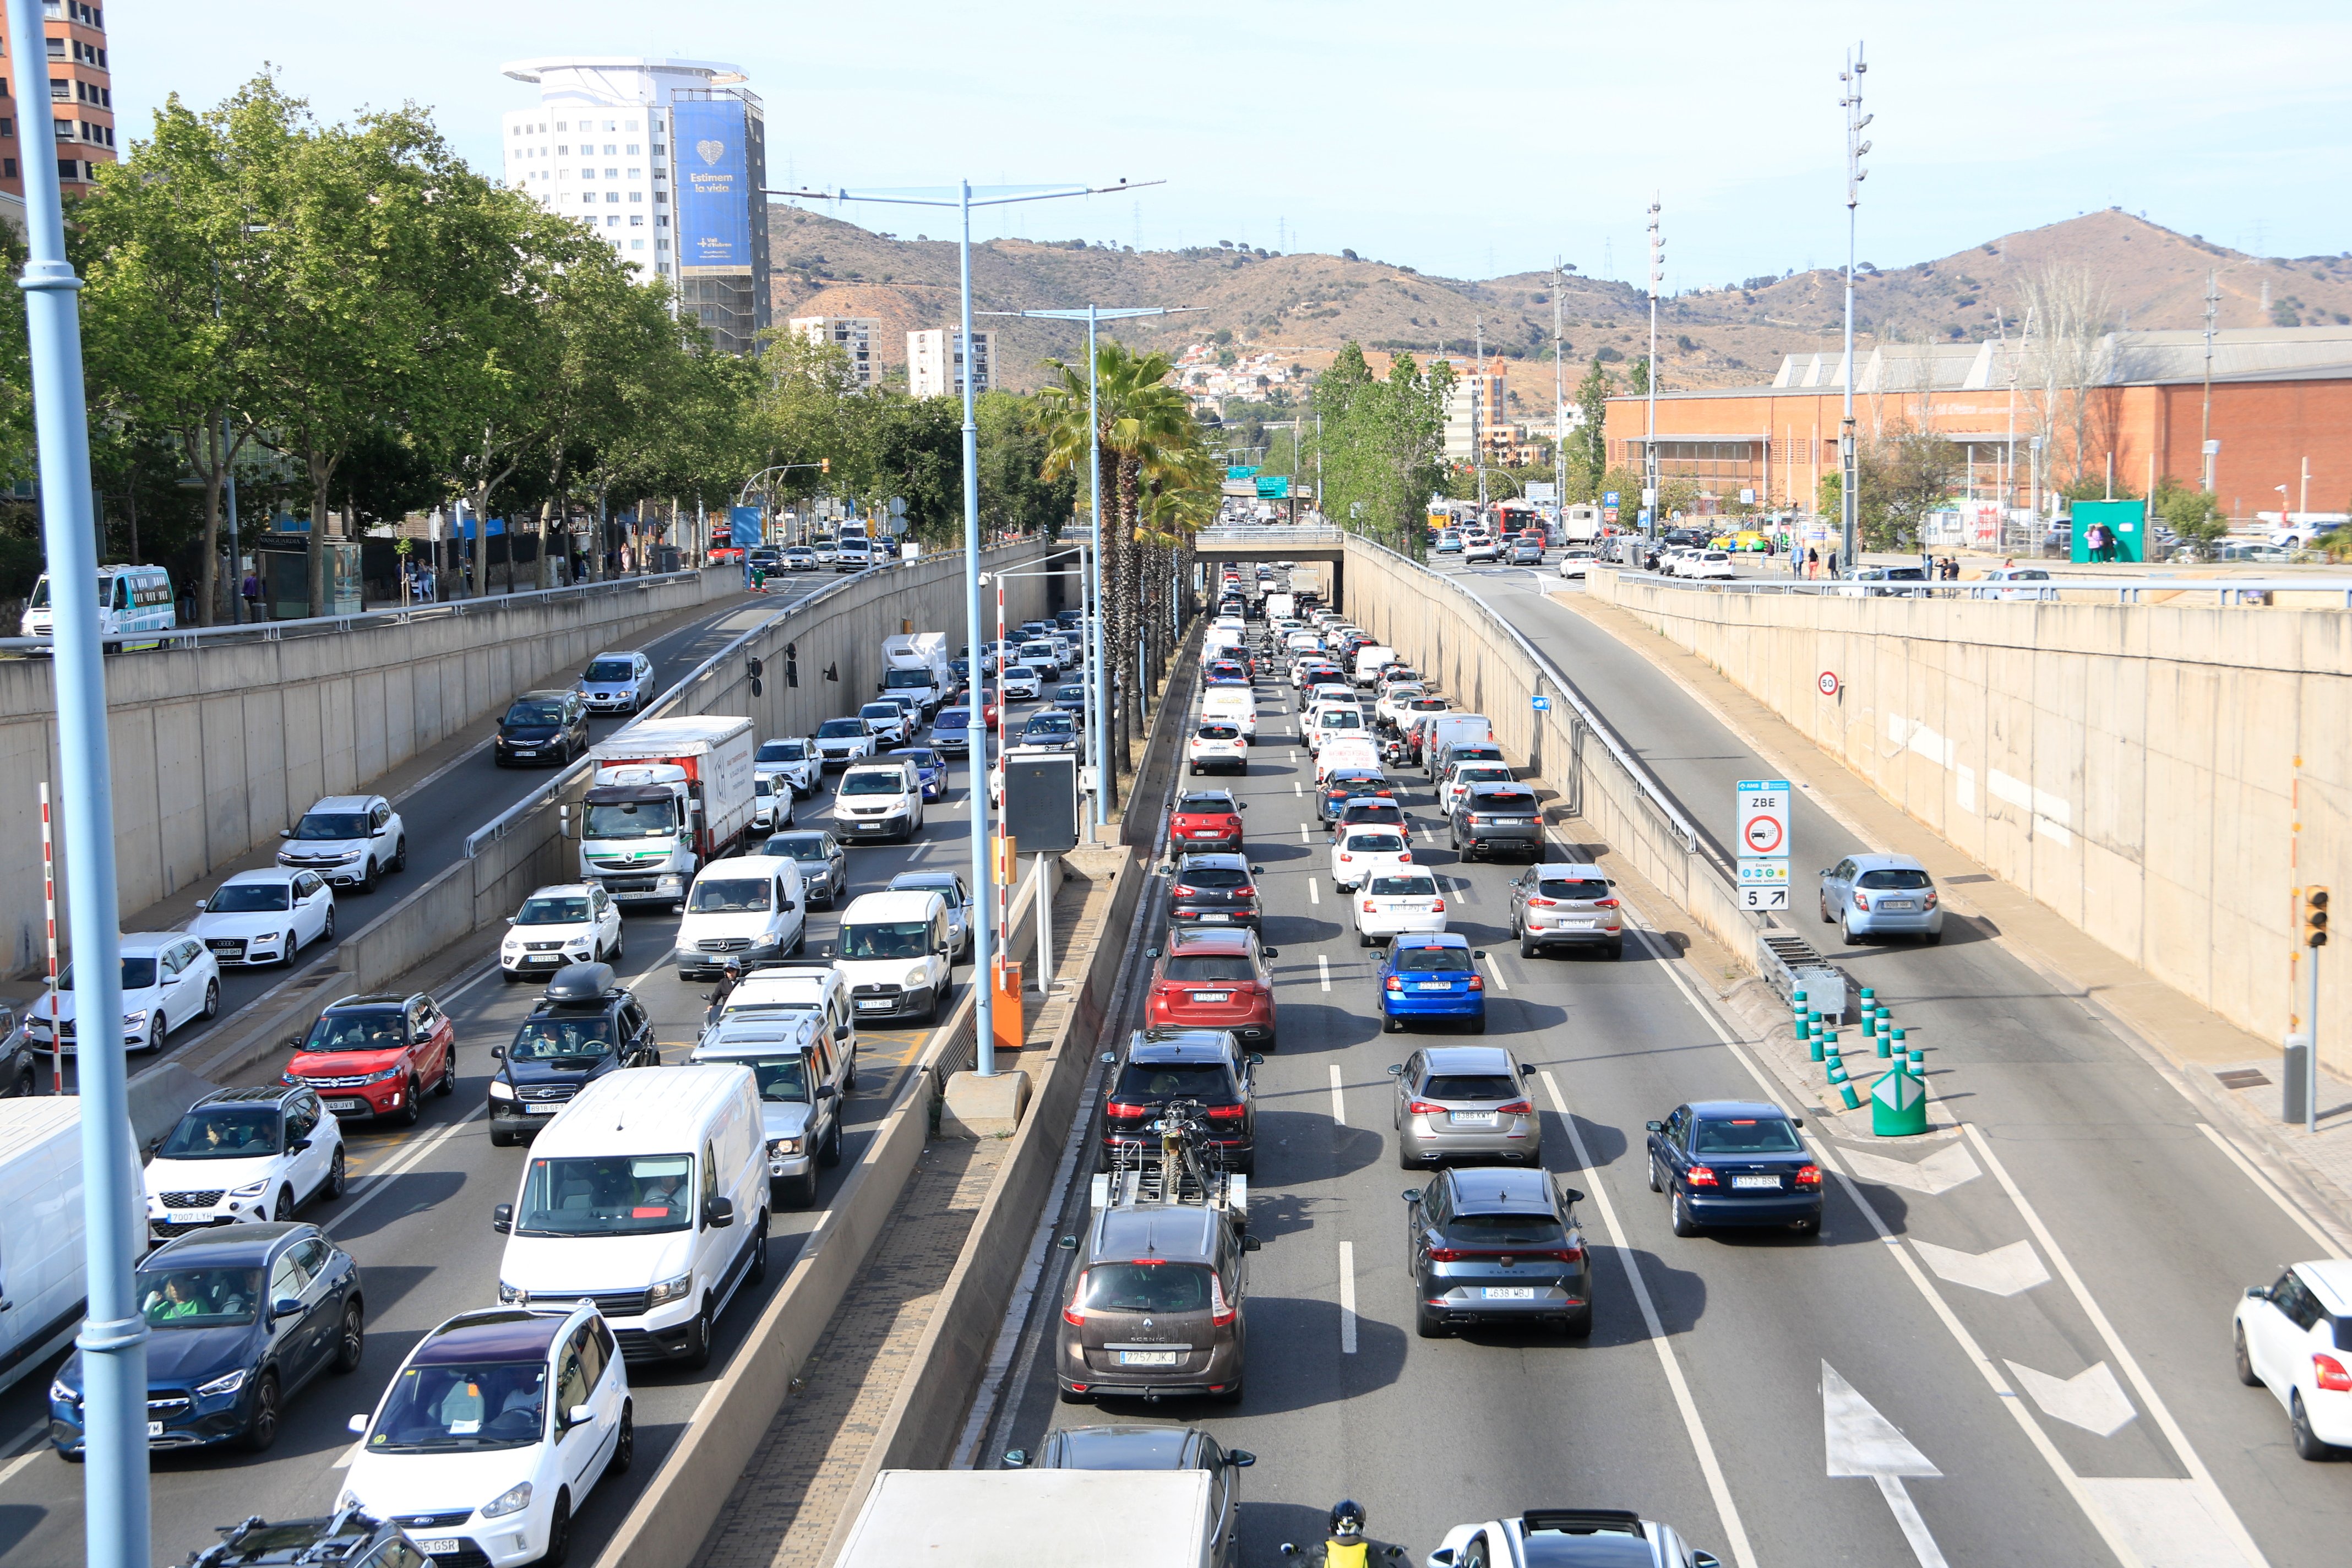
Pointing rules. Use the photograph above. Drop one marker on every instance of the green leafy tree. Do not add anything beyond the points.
(2194, 515)
(1588, 444)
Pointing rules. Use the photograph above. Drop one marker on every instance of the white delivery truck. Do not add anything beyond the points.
(915, 664)
(1580, 525)
(669, 796)
(1039, 1519)
(42, 1251)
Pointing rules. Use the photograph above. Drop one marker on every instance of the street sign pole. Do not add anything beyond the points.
(1760, 825)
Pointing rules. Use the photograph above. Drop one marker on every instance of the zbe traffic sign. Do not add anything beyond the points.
(1762, 817)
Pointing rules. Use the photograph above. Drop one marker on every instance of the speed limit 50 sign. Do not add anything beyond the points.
(1761, 818)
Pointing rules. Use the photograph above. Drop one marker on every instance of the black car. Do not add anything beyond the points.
(1735, 1161)
(348, 1540)
(584, 1026)
(1071, 699)
(1151, 1448)
(1490, 818)
(547, 728)
(1496, 1246)
(824, 868)
(1214, 889)
(238, 1318)
(1342, 786)
(1154, 1072)
(1057, 730)
(18, 1072)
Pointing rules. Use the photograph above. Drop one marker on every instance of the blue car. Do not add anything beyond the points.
(1433, 977)
(1735, 1161)
(238, 1319)
(1869, 896)
(929, 767)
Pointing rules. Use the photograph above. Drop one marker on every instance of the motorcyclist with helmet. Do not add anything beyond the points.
(1346, 1546)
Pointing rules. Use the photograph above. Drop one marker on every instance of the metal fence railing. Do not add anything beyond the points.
(2081, 589)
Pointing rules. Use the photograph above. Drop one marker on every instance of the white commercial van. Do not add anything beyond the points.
(1235, 705)
(1369, 662)
(749, 908)
(895, 952)
(41, 1239)
(806, 988)
(130, 599)
(648, 1194)
(1452, 729)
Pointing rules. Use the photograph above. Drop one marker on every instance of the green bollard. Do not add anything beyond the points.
(1853, 1101)
(1869, 1023)
(1898, 1103)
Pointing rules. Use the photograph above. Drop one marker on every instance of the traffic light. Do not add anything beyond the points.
(2314, 917)
(825, 465)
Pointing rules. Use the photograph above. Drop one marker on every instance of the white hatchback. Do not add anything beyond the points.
(1021, 683)
(494, 1432)
(2295, 1338)
(264, 917)
(1364, 852)
(1216, 742)
(1398, 903)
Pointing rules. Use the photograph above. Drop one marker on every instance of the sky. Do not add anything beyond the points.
(1471, 141)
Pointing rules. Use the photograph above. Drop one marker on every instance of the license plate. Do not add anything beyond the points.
(1149, 1358)
(871, 1006)
(1902, 907)
(154, 1428)
(1208, 918)
(543, 1109)
(1474, 1119)
(1209, 834)
(1431, 986)
(1771, 1182)
(342, 1105)
(1510, 1292)
(439, 1545)
(1212, 995)
(524, 751)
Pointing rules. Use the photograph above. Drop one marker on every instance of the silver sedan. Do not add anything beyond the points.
(1465, 1102)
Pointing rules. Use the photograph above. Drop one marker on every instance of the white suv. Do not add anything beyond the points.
(572, 922)
(878, 799)
(240, 1156)
(350, 839)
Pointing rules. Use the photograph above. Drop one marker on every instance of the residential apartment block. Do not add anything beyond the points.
(82, 99)
(929, 373)
(858, 336)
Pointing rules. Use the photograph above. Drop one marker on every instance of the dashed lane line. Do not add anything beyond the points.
(1496, 970)
(1347, 1292)
(1339, 1098)
(1323, 968)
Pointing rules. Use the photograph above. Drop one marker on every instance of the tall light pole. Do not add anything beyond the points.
(1477, 408)
(1650, 487)
(963, 198)
(113, 1337)
(1849, 457)
(1098, 673)
(2205, 420)
(1558, 398)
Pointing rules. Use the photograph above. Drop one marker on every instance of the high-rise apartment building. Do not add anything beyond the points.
(665, 159)
(1474, 409)
(82, 99)
(858, 336)
(929, 375)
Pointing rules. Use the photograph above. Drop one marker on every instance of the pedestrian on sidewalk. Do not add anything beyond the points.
(250, 589)
(1813, 561)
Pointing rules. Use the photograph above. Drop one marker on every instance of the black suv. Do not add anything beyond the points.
(1197, 1066)
(349, 1540)
(1214, 889)
(583, 1027)
(1491, 817)
(549, 728)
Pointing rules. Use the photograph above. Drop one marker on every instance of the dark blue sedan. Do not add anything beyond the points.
(1735, 1161)
(930, 766)
(238, 1319)
(1433, 977)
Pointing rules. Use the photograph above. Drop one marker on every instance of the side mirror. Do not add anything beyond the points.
(502, 1218)
(1796, 1120)
(1240, 1459)
(1527, 1071)
(1655, 1126)
(1572, 1195)
(1067, 1243)
(1242, 805)
(1258, 1058)
(285, 833)
(1016, 1459)
(510, 919)
(200, 909)
(1258, 870)
(1412, 1195)
(286, 1307)
(498, 1052)
(1396, 1070)
(1706, 1560)
(1106, 1058)
(1271, 952)
(1289, 1549)
(298, 1146)
(1479, 952)
(1251, 1244)
(1151, 952)
(826, 1091)
(840, 1031)
(291, 1042)
(719, 1213)
(2258, 1292)
(357, 1426)
(580, 1415)
(1443, 1554)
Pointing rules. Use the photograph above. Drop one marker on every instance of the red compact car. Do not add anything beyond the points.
(1214, 978)
(988, 711)
(1206, 819)
(376, 1056)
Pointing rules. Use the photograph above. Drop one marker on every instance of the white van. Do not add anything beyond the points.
(1452, 729)
(130, 599)
(1368, 663)
(1235, 705)
(751, 909)
(895, 952)
(648, 1194)
(41, 1244)
(1346, 752)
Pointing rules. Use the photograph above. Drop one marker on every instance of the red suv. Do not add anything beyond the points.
(374, 1055)
(1206, 819)
(1214, 979)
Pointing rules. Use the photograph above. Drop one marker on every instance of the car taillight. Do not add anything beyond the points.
(1437, 907)
(1424, 1107)
(1233, 822)
(1564, 1255)
(1604, 903)
(1407, 855)
(1861, 900)
(1182, 891)
(1446, 1255)
(1477, 983)
(1394, 983)
(2330, 1373)
(1345, 855)
(1809, 1176)
(1516, 1108)
(1225, 1112)
(1541, 903)
(1368, 907)
(1471, 819)
(1931, 902)
(1075, 1315)
(1222, 1313)
(1700, 1176)
(1123, 1108)
(1245, 892)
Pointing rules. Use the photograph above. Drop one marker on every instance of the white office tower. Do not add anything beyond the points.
(929, 375)
(665, 159)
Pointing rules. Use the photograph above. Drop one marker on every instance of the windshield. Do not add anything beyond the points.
(1432, 960)
(1219, 733)
(1047, 724)
(879, 781)
(564, 912)
(1197, 804)
(1894, 879)
(1373, 844)
(1145, 1286)
(356, 1032)
(1763, 1135)
(795, 846)
(1471, 1086)
(783, 1081)
(610, 669)
(493, 1404)
(782, 751)
(535, 713)
(223, 1132)
(1213, 877)
(327, 824)
(913, 680)
(1403, 887)
(843, 729)
(1351, 815)
(198, 1297)
(632, 819)
(887, 712)
(1573, 887)
(560, 1039)
(1195, 968)
(605, 1194)
(952, 719)
(250, 899)
(137, 974)
(887, 938)
(1205, 1081)
(733, 896)
(1496, 774)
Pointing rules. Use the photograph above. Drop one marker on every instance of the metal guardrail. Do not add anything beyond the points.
(1270, 534)
(2126, 591)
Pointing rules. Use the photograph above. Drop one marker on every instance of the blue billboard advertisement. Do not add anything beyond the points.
(714, 193)
(743, 525)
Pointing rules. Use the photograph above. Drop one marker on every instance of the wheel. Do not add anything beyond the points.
(338, 1179)
(2246, 1372)
(1478, 1024)
(211, 1000)
(621, 943)
(800, 1194)
(448, 1084)
(261, 1430)
(1390, 1026)
(399, 853)
(1527, 949)
(559, 1533)
(1655, 1185)
(352, 1342)
(1684, 1224)
(938, 1008)
(327, 932)
(758, 1273)
(1578, 1325)
(829, 1156)
(1617, 949)
(412, 1101)
(1933, 939)
(1845, 931)
(154, 1036)
(1428, 1325)
(849, 1073)
(625, 1446)
(697, 1342)
(283, 1209)
(1825, 913)
(2307, 1445)
(367, 877)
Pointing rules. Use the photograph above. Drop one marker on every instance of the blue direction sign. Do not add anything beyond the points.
(1608, 498)
(1543, 703)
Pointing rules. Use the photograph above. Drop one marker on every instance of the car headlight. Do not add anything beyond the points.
(514, 1499)
(577, 944)
(783, 1145)
(251, 1189)
(346, 858)
(222, 1386)
(60, 1395)
(670, 1290)
(135, 1020)
(501, 1090)
(385, 1075)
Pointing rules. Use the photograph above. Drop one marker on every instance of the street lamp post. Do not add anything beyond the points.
(963, 199)
(113, 1337)
(1651, 489)
(1849, 459)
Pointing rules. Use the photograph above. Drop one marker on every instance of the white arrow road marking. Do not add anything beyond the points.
(2090, 1399)
(1862, 1442)
(1338, 1101)
(1938, 1174)
(2005, 1271)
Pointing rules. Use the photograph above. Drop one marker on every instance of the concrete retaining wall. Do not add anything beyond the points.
(217, 747)
(2164, 776)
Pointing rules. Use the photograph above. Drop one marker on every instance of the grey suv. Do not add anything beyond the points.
(1496, 1247)
(1465, 1102)
(824, 868)
(804, 1079)
(1154, 1310)
(1566, 906)
(1491, 817)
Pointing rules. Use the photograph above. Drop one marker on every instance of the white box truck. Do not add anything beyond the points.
(669, 795)
(1580, 525)
(915, 664)
(1036, 1518)
(43, 1271)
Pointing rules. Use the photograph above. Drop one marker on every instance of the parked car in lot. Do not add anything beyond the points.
(168, 978)
(1433, 977)
(1211, 888)
(1867, 896)
(1152, 1074)
(1214, 979)
(240, 1156)
(1155, 1307)
(1557, 905)
(373, 1055)
(546, 728)
(617, 683)
(584, 1026)
(1466, 1103)
(1498, 1246)
(238, 1321)
(569, 922)
(1206, 819)
(527, 1411)
(264, 917)
(1489, 819)
(2293, 1336)
(351, 841)
(1397, 903)
(1735, 1163)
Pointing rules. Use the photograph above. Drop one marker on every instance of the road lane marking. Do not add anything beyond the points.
(2090, 1399)
(381, 1183)
(2005, 1271)
(1862, 1443)
(1497, 971)
(1302, 832)
(1347, 1286)
(1323, 968)
(1339, 1101)
(1312, 896)
(31, 1434)
(2303, 1222)
(1735, 1533)
(1298, 789)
